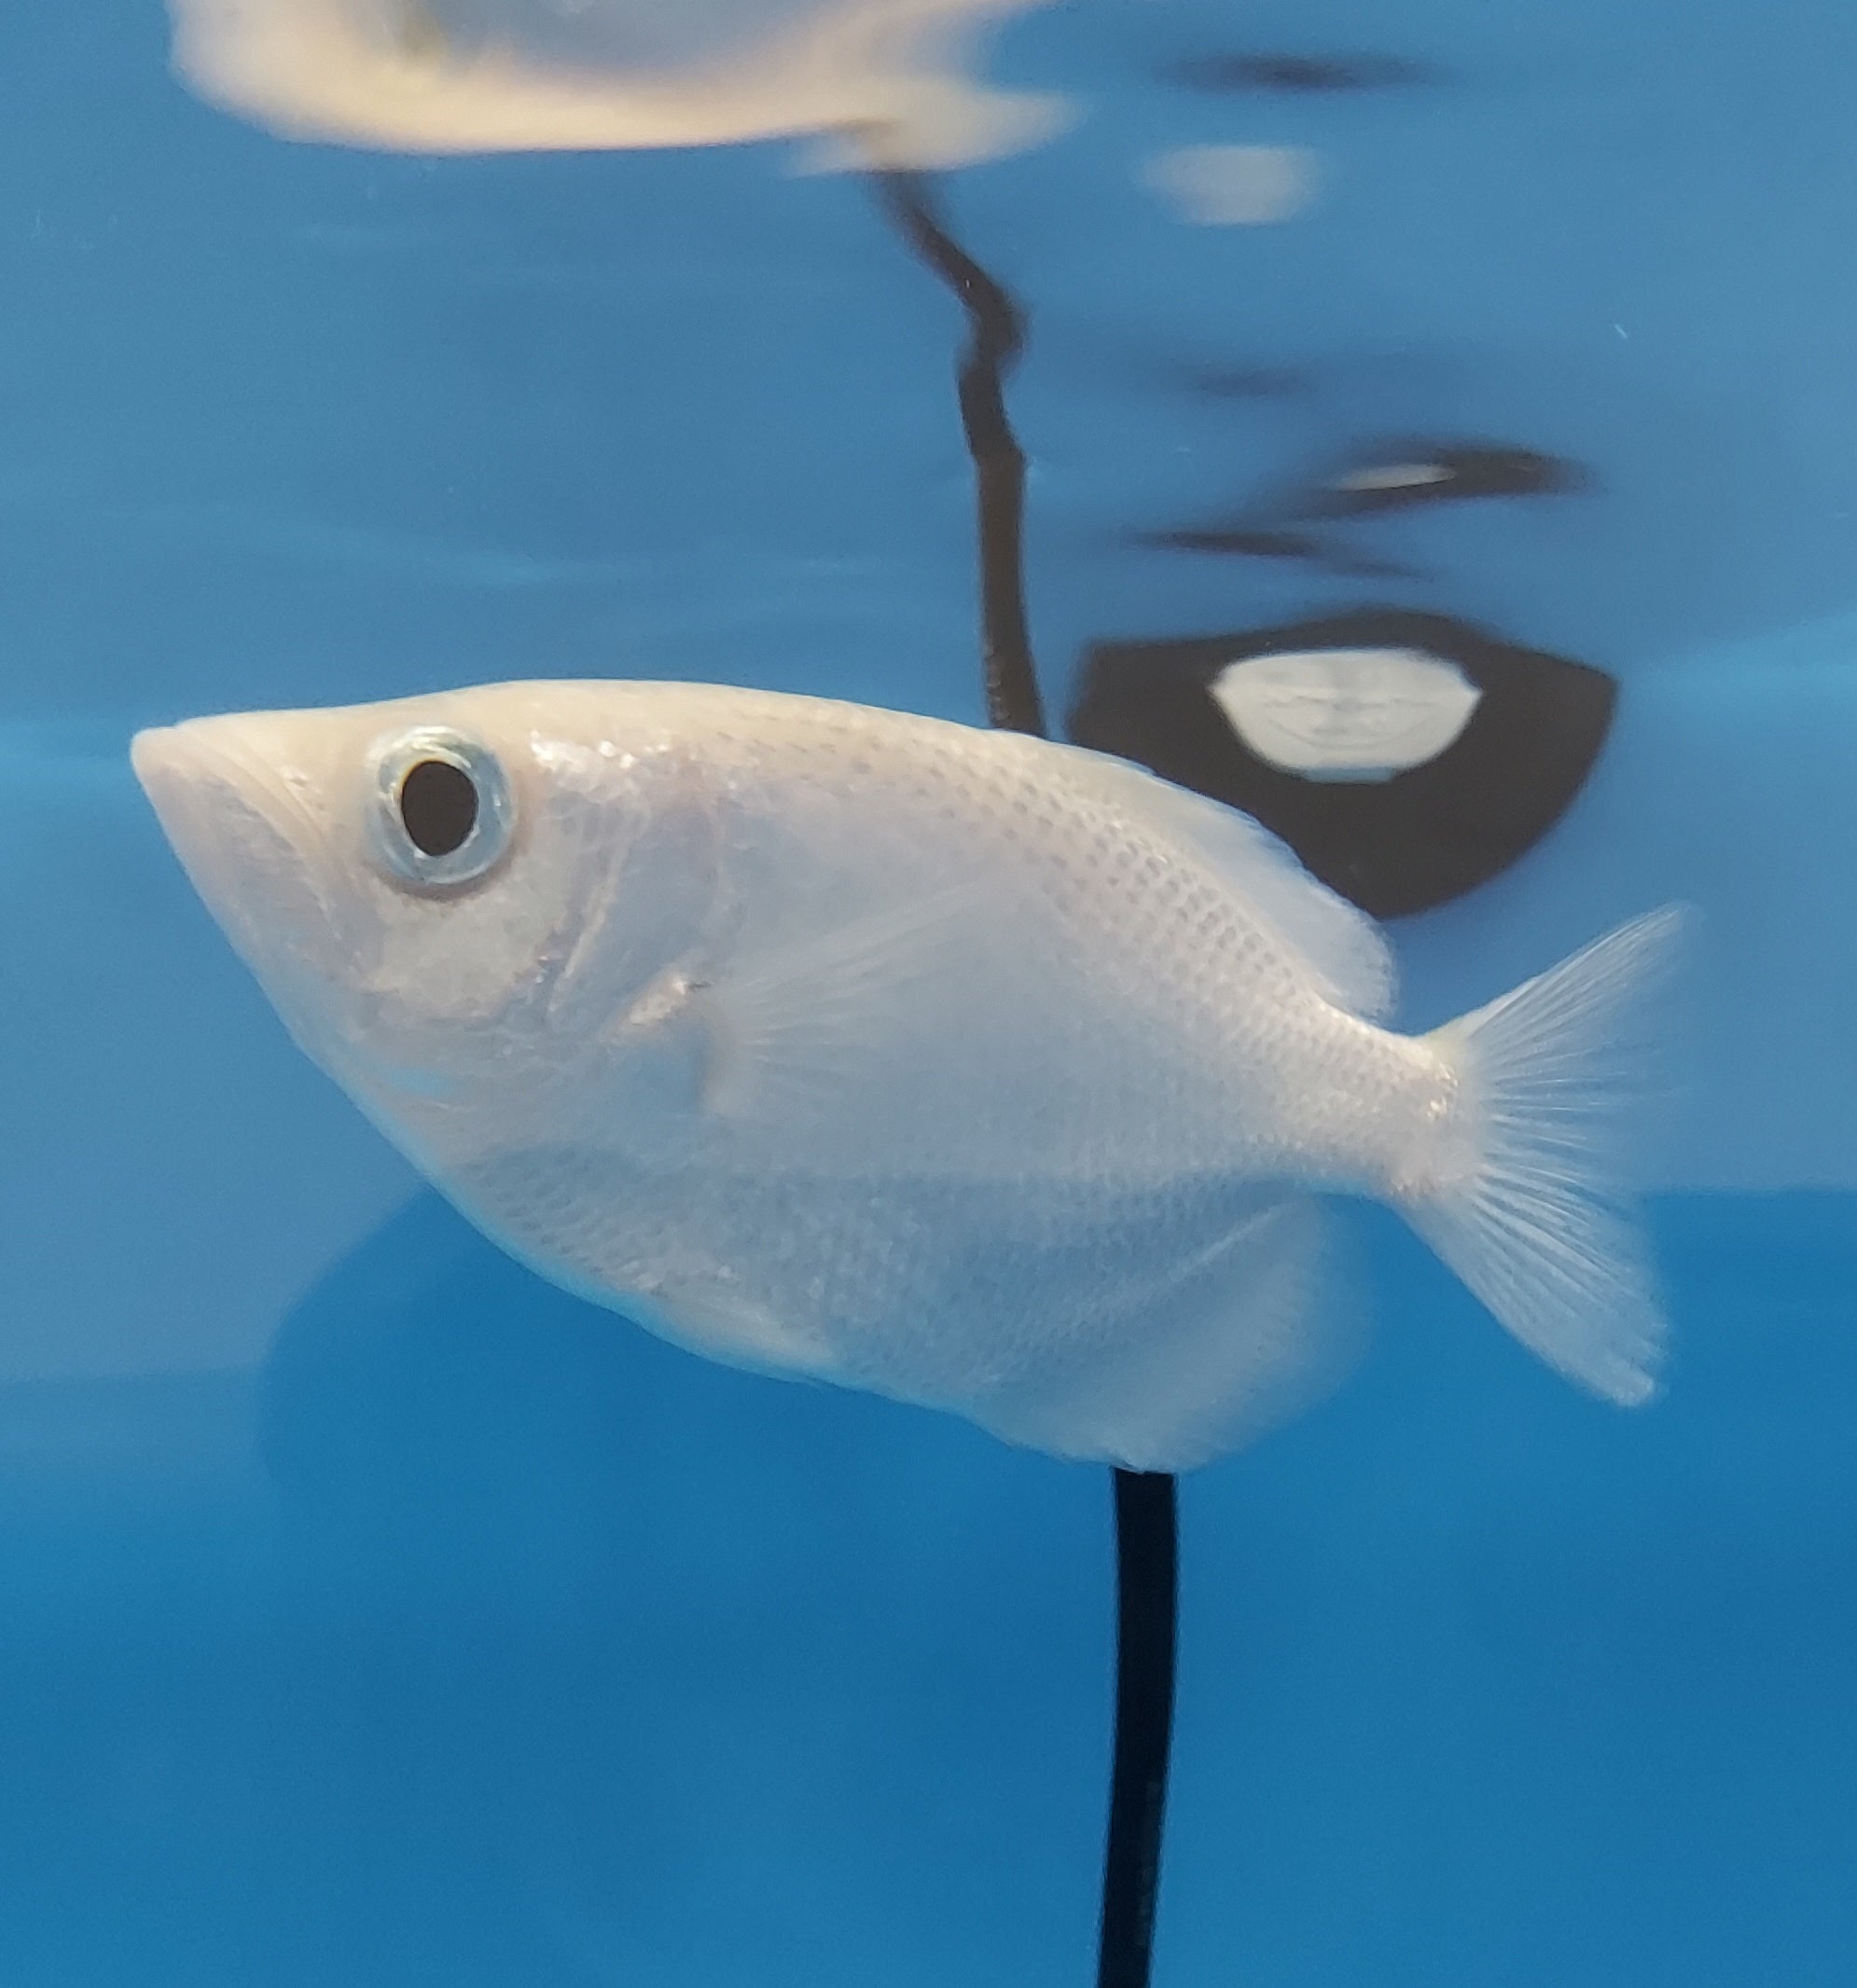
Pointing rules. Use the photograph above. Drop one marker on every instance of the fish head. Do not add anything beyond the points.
(447, 898)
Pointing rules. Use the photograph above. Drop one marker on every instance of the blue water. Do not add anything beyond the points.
(371, 1612)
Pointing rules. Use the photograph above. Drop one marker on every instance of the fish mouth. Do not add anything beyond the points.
(242, 833)
(179, 775)
(202, 796)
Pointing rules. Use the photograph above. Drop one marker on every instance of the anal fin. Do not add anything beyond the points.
(1182, 1368)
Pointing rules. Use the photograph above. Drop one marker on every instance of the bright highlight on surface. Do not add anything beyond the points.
(886, 77)
(1347, 714)
(1235, 186)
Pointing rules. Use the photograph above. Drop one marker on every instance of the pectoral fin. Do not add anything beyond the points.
(801, 1025)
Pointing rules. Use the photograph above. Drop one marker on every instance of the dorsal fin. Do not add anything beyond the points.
(1344, 950)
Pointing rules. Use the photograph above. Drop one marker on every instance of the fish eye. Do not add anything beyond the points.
(438, 806)
(442, 812)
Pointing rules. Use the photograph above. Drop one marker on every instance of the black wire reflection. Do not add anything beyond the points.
(996, 338)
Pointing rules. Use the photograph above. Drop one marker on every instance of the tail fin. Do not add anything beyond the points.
(1533, 1221)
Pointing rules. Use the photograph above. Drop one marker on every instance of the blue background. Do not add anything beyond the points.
(372, 1613)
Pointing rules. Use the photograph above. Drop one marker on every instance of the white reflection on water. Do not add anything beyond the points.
(1235, 186)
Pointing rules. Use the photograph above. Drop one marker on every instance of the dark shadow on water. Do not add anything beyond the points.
(437, 1419)
(650, 1669)
(607, 1664)
(1394, 845)
(544, 1654)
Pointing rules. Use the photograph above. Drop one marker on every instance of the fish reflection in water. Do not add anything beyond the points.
(966, 1067)
(476, 76)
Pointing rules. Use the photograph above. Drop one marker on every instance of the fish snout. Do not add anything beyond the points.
(227, 802)
(186, 785)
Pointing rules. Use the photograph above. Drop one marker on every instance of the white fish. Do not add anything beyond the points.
(966, 1067)
(886, 77)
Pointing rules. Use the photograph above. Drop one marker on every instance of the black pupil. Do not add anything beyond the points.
(438, 805)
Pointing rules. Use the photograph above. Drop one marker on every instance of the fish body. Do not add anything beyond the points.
(970, 1069)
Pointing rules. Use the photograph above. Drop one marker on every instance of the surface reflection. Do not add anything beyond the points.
(1417, 832)
(1290, 74)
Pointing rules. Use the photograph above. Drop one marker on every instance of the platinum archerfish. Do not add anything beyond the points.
(966, 1067)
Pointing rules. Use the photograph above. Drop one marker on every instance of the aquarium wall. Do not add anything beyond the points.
(1439, 430)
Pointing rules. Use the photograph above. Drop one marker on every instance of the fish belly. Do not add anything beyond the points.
(1151, 1325)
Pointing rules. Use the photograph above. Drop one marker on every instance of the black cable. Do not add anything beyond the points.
(1147, 1558)
(1146, 1521)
